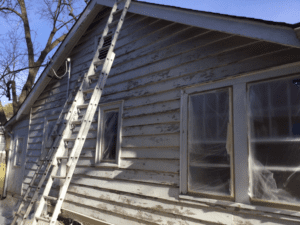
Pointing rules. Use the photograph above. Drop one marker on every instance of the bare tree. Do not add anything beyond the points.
(19, 62)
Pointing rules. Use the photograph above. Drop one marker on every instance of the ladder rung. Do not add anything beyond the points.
(94, 76)
(76, 122)
(41, 173)
(83, 106)
(50, 198)
(104, 48)
(99, 62)
(59, 177)
(20, 214)
(33, 186)
(113, 24)
(109, 35)
(69, 139)
(28, 199)
(63, 157)
(90, 90)
(43, 219)
(117, 12)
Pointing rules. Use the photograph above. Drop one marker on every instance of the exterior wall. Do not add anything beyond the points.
(16, 174)
(155, 59)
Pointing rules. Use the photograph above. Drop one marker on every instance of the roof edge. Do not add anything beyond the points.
(276, 33)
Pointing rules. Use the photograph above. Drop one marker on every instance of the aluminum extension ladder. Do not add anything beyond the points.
(61, 133)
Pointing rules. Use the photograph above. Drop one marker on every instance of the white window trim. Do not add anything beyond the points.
(16, 151)
(184, 136)
(240, 134)
(104, 107)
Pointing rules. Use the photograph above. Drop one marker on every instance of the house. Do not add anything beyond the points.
(196, 124)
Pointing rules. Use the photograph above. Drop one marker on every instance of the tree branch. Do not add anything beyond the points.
(12, 11)
(17, 71)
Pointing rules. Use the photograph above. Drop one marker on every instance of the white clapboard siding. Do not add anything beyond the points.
(131, 212)
(152, 119)
(141, 46)
(151, 129)
(50, 99)
(150, 153)
(101, 215)
(33, 153)
(158, 71)
(216, 216)
(36, 133)
(147, 100)
(170, 179)
(139, 188)
(170, 140)
(188, 45)
(34, 147)
(153, 108)
(151, 25)
(160, 165)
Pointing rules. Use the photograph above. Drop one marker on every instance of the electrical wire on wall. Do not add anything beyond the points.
(68, 70)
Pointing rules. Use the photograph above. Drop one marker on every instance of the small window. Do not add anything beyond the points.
(18, 153)
(109, 133)
(274, 117)
(209, 143)
(48, 127)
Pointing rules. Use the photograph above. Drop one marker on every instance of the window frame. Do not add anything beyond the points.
(98, 154)
(240, 132)
(184, 120)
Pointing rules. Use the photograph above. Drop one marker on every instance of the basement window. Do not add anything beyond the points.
(19, 145)
(109, 134)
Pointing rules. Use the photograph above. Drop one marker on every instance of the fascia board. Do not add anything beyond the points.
(272, 33)
(66, 47)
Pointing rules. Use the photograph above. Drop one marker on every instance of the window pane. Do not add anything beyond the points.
(110, 135)
(209, 153)
(275, 146)
(19, 151)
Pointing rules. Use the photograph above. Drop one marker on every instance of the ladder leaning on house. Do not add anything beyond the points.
(62, 132)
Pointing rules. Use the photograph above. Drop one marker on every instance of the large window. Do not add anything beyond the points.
(274, 116)
(109, 133)
(209, 143)
(240, 139)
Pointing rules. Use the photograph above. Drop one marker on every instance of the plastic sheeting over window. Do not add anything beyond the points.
(19, 149)
(274, 115)
(210, 143)
(110, 135)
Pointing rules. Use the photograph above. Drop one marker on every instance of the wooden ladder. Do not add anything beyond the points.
(62, 133)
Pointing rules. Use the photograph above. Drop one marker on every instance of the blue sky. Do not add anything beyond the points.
(287, 11)
(274, 10)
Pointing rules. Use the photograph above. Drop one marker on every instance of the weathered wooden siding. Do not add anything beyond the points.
(154, 60)
(20, 129)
